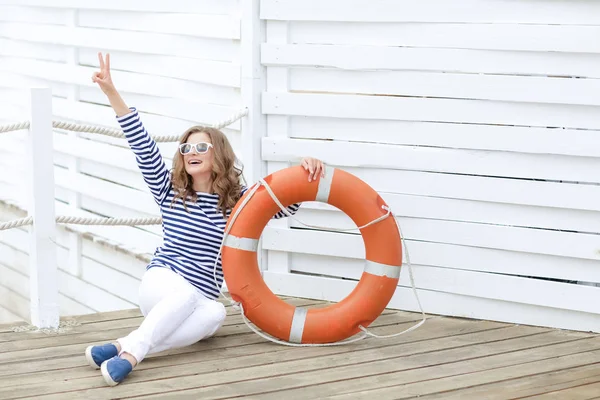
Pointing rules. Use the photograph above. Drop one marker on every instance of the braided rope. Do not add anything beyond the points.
(108, 221)
(116, 133)
(66, 219)
(16, 223)
(17, 126)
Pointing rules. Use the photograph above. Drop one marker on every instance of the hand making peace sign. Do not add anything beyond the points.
(103, 78)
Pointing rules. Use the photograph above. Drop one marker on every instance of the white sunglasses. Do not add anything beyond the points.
(200, 148)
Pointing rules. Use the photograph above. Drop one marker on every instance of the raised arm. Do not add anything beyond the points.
(148, 157)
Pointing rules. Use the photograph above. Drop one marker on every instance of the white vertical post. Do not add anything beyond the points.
(252, 85)
(74, 241)
(278, 125)
(42, 255)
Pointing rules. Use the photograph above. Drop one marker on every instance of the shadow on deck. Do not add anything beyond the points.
(447, 358)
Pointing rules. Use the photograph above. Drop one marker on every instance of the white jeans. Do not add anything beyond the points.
(176, 315)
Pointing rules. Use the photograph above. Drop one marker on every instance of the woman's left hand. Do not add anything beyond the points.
(314, 167)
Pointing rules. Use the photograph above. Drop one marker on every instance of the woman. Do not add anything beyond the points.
(178, 294)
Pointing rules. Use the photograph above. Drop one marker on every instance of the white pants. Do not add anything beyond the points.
(176, 315)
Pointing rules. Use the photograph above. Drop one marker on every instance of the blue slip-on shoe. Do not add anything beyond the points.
(96, 355)
(115, 370)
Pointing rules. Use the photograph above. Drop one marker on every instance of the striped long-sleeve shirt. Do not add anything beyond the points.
(192, 238)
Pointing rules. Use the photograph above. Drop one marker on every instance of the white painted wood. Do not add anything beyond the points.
(6, 316)
(446, 135)
(253, 83)
(43, 270)
(47, 52)
(75, 256)
(33, 15)
(142, 42)
(541, 241)
(203, 25)
(204, 7)
(190, 69)
(466, 211)
(73, 73)
(483, 285)
(521, 37)
(438, 303)
(277, 127)
(470, 162)
(578, 12)
(528, 89)
(367, 57)
(430, 109)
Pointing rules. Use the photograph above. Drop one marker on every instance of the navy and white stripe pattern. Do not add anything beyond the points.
(191, 238)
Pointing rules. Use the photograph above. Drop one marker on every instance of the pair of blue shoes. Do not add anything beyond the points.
(106, 357)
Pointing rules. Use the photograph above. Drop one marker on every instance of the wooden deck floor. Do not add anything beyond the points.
(447, 358)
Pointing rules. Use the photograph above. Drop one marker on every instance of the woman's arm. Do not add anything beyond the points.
(148, 157)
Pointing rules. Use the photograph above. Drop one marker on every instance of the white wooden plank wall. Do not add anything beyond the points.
(478, 122)
(177, 62)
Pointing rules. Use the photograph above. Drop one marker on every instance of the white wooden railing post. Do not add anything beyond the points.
(74, 241)
(254, 125)
(278, 126)
(42, 255)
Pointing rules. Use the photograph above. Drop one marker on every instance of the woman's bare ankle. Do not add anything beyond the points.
(118, 346)
(130, 358)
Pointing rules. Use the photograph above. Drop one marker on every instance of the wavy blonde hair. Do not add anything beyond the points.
(225, 175)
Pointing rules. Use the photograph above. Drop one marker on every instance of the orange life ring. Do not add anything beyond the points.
(335, 322)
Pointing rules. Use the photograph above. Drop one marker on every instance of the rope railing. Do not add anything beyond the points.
(116, 133)
(73, 220)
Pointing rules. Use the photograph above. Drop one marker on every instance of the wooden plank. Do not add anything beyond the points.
(434, 110)
(458, 60)
(17, 304)
(582, 392)
(455, 257)
(354, 365)
(77, 327)
(527, 89)
(458, 136)
(434, 302)
(71, 345)
(134, 240)
(511, 37)
(15, 48)
(186, 108)
(469, 11)
(299, 361)
(564, 244)
(126, 81)
(165, 365)
(499, 190)
(409, 206)
(106, 191)
(527, 386)
(541, 292)
(33, 15)
(140, 42)
(206, 7)
(183, 23)
(455, 161)
(19, 341)
(7, 316)
(190, 69)
(442, 380)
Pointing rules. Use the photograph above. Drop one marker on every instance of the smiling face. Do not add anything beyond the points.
(214, 171)
(199, 165)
